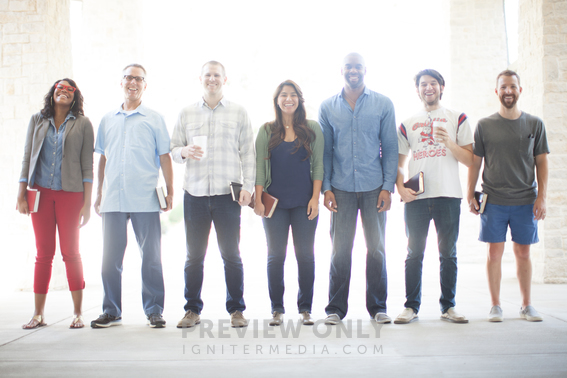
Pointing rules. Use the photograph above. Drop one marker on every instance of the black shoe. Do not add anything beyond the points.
(105, 321)
(156, 321)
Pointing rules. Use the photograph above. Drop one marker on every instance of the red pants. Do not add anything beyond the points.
(57, 209)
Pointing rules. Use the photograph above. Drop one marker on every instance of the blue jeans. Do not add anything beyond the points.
(199, 212)
(445, 212)
(343, 228)
(147, 229)
(277, 231)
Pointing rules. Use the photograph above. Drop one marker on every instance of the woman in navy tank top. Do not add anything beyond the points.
(289, 166)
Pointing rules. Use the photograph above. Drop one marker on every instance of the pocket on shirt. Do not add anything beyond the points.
(194, 126)
(228, 124)
(193, 129)
(526, 146)
(229, 131)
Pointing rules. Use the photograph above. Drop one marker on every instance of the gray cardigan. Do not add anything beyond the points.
(78, 148)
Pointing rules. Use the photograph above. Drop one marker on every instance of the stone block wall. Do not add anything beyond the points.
(542, 66)
(35, 51)
(478, 54)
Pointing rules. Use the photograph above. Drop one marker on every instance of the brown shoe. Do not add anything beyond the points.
(238, 320)
(277, 319)
(305, 318)
(189, 320)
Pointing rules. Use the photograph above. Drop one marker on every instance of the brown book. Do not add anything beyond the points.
(270, 202)
(480, 198)
(416, 183)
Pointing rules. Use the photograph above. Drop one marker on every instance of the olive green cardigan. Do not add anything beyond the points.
(263, 166)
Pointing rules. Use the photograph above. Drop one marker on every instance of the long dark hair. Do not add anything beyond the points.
(77, 106)
(304, 134)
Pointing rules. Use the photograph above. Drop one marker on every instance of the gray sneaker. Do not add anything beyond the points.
(382, 318)
(156, 321)
(332, 319)
(189, 320)
(495, 314)
(530, 314)
(106, 320)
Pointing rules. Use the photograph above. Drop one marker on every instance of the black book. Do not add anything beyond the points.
(416, 183)
(480, 198)
(235, 188)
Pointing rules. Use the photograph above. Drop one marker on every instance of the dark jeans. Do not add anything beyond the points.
(343, 228)
(445, 212)
(199, 212)
(303, 231)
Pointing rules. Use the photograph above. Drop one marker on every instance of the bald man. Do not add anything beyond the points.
(361, 160)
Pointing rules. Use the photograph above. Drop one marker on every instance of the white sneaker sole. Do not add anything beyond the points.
(405, 320)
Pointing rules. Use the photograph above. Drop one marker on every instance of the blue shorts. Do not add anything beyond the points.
(495, 219)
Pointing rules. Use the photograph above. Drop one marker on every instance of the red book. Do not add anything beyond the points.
(32, 197)
(270, 202)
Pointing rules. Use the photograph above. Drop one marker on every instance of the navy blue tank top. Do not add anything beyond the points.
(291, 177)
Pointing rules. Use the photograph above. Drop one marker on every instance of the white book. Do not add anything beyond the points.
(161, 197)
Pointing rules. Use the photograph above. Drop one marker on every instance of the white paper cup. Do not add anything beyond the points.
(201, 141)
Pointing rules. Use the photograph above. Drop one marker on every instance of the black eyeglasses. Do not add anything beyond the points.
(139, 79)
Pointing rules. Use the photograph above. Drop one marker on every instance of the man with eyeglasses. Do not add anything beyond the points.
(439, 138)
(133, 142)
(213, 138)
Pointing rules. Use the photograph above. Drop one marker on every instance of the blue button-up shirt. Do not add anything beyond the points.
(361, 146)
(132, 143)
(48, 172)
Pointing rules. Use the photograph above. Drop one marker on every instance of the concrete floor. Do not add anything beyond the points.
(428, 347)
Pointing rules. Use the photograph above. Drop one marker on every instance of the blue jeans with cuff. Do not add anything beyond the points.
(418, 214)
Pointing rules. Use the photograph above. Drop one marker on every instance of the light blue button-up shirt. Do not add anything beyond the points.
(48, 172)
(132, 143)
(361, 146)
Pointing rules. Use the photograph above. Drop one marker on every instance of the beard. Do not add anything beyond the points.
(431, 103)
(511, 104)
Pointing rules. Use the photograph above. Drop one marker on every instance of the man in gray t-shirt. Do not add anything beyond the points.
(512, 143)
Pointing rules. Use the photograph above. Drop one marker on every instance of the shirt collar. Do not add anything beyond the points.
(140, 109)
(366, 91)
(69, 116)
(223, 102)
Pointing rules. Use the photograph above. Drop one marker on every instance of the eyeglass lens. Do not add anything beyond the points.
(139, 79)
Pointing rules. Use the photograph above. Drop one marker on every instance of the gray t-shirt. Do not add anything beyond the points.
(509, 148)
